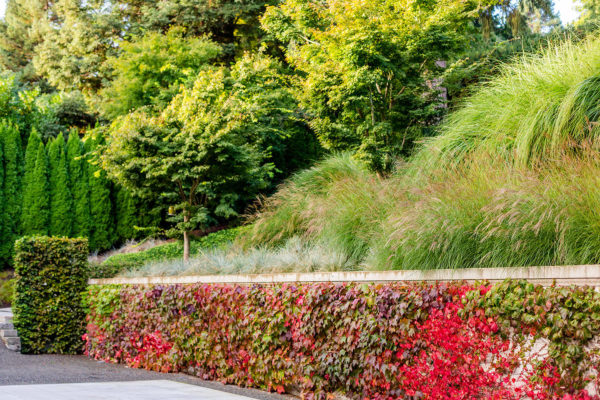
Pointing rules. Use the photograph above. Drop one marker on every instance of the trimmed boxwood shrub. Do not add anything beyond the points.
(51, 275)
(365, 341)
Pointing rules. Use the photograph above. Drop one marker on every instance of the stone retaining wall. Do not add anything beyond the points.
(563, 275)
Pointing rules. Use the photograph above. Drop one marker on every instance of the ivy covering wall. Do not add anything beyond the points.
(513, 340)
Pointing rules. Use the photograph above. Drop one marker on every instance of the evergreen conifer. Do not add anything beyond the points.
(61, 204)
(125, 215)
(35, 221)
(79, 185)
(101, 227)
(30, 157)
(11, 189)
(2, 265)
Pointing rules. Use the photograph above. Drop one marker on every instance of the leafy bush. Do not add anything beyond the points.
(6, 288)
(131, 261)
(51, 274)
(361, 340)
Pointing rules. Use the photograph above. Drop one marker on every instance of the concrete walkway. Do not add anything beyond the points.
(8, 335)
(140, 390)
(32, 377)
(6, 312)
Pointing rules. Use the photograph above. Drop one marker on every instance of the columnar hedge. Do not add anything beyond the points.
(51, 276)
(391, 340)
(53, 189)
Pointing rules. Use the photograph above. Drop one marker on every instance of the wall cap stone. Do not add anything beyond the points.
(561, 275)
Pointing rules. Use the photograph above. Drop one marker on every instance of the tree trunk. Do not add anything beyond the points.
(186, 246)
(186, 239)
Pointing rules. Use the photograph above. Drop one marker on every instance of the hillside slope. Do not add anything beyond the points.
(513, 179)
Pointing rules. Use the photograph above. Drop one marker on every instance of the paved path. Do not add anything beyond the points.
(8, 333)
(138, 390)
(28, 376)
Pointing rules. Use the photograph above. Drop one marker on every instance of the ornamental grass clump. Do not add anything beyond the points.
(482, 213)
(512, 180)
(535, 108)
(294, 256)
(334, 204)
(493, 214)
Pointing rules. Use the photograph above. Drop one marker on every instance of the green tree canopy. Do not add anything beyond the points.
(150, 70)
(590, 12)
(256, 97)
(75, 46)
(232, 23)
(19, 35)
(73, 39)
(365, 67)
(192, 155)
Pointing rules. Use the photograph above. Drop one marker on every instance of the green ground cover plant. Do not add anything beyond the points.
(51, 274)
(133, 261)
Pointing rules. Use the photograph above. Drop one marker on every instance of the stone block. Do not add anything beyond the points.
(14, 347)
(12, 341)
(6, 333)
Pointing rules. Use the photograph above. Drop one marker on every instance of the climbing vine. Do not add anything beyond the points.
(376, 341)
